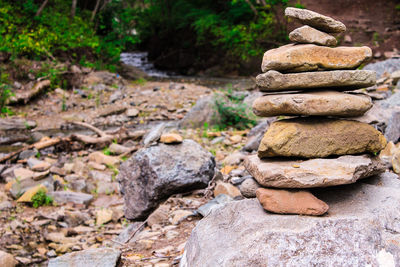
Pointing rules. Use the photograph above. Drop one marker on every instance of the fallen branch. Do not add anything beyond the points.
(134, 232)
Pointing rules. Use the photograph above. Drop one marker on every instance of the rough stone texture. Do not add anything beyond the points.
(249, 187)
(388, 65)
(321, 103)
(386, 179)
(157, 172)
(7, 260)
(288, 173)
(314, 19)
(105, 257)
(339, 79)
(309, 57)
(317, 137)
(385, 118)
(309, 35)
(361, 226)
(291, 202)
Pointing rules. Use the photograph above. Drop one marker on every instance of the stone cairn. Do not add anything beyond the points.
(310, 81)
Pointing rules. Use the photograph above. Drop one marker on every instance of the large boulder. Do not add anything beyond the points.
(155, 173)
(360, 229)
(319, 138)
(309, 57)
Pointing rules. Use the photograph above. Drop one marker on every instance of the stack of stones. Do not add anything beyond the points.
(311, 81)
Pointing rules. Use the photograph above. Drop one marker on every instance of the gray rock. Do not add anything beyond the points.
(237, 180)
(118, 149)
(5, 205)
(17, 189)
(309, 35)
(321, 172)
(28, 153)
(216, 203)
(7, 124)
(249, 187)
(317, 103)
(157, 172)
(154, 135)
(256, 134)
(384, 117)
(388, 65)
(339, 79)
(117, 95)
(105, 257)
(124, 236)
(74, 197)
(202, 112)
(316, 20)
(360, 229)
(386, 179)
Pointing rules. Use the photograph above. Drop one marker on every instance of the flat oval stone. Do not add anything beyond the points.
(290, 173)
(314, 19)
(319, 138)
(309, 57)
(309, 35)
(343, 80)
(322, 103)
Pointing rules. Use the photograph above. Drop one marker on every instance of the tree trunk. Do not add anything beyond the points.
(41, 8)
(95, 10)
(73, 8)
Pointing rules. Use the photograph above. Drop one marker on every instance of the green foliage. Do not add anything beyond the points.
(106, 151)
(41, 199)
(229, 25)
(5, 94)
(232, 111)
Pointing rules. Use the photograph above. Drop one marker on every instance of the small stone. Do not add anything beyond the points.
(100, 158)
(249, 187)
(171, 138)
(235, 139)
(227, 189)
(103, 216)
(309, 57)
(288, 202)
(105, 257)
(309, 35)
(118, 149)
(347, 39)
(339, 79)
(62, 197)
(234, 159)
(7, 260)
(96, 166)
(38, 165)
(314, 138)
(132, 112)
(319, 103)
(215, 203)
(396, 161)
(159, 216)
(22, 174)
(180, 215)
(27, 196)
(316, 20)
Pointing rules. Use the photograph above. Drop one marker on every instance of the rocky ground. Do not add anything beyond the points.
(82, 174)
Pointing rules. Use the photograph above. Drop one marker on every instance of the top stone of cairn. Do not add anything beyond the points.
(315, 20)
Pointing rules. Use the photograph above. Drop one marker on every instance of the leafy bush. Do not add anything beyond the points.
(233, 112)
(41, 199)
(5, 93)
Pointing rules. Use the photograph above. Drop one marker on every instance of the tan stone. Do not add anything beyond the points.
(100, 158)
(396, 162)
(314, 19)
(27, 196)
(343, 80)
(227, 189)
(170, 138)
(309, 57)
(291, 202)
(159, 216)
(7, 260)
(322, 103)
(290, 173)
(309, 35)
(316, 137)
(103, 216)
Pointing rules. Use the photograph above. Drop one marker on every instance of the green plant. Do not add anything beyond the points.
(106, 151)
(232, 111)
(5, 93)
(41, 199)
